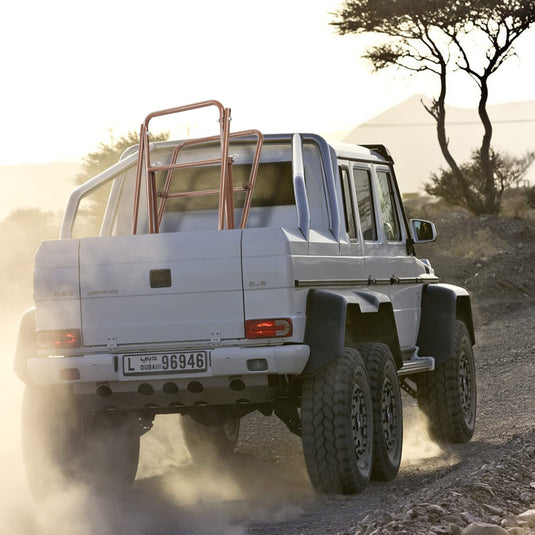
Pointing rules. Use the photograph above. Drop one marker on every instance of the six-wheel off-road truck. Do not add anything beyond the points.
(239, 273)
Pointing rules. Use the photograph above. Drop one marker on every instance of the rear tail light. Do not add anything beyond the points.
(59, 339)
(268, 328)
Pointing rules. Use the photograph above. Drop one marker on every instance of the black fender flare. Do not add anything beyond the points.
(442, 305)
(338, 318)
(26, 345)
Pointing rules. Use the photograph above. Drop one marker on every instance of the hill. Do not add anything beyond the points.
(409, 132)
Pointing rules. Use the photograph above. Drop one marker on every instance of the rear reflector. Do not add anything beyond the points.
(270, 328)
(59, 339)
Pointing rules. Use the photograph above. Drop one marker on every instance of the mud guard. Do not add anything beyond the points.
(442, 305)
(338, 318)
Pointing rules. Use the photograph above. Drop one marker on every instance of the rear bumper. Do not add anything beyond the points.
(103, 385)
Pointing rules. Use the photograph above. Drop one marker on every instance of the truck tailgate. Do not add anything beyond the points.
(161, 288)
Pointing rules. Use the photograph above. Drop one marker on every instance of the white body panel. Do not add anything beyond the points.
(189, 287)
(205, 295)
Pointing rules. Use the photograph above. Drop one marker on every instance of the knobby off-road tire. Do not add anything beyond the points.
(447, 396)
(387, 410)
(337, 424)
(60, 445)
(209, 443)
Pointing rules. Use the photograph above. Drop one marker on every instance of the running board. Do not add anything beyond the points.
(416, 365)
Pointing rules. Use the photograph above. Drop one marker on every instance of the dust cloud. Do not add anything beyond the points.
(417, 445)
(171, 495)
(16, 502)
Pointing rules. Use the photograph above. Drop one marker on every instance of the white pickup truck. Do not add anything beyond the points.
(239, 273)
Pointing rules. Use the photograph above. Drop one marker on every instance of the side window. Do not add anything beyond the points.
(349, 209)
(388, 207)
(362, 179)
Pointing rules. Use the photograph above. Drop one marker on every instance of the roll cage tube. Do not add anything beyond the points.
(225, 191)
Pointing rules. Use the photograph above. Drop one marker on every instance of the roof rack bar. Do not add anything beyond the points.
(170, 167)
(252, 178)
(224, 185)
(188, 107)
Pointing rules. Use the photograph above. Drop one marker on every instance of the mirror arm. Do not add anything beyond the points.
(410, 246)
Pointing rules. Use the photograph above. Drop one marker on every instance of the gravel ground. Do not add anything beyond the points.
(442, 490)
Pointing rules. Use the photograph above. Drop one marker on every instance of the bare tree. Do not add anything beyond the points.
(106, 155)
(439, 36)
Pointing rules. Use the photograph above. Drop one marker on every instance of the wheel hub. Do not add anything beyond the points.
(359, 422)
(388, 409)
(465, 384)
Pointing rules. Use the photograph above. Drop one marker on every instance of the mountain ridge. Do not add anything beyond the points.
(417, 153)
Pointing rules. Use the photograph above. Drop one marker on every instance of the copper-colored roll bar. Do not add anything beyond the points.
(144, 158)
(226, 190)
(247, 187)
(224, 185)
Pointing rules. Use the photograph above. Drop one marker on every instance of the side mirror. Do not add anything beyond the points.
(423, 231)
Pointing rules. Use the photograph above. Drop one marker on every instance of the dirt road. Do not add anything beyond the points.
(264, 489)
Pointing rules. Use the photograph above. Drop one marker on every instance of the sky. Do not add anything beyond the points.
(76, 73)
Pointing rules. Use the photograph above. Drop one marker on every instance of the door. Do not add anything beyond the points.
(390, 269)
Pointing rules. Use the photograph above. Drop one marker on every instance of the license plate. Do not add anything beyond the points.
(166, 363)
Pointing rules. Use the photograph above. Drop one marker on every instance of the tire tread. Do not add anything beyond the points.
(438, 396)
(327, 439)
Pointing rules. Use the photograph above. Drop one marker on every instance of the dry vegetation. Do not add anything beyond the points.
(492, 256)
